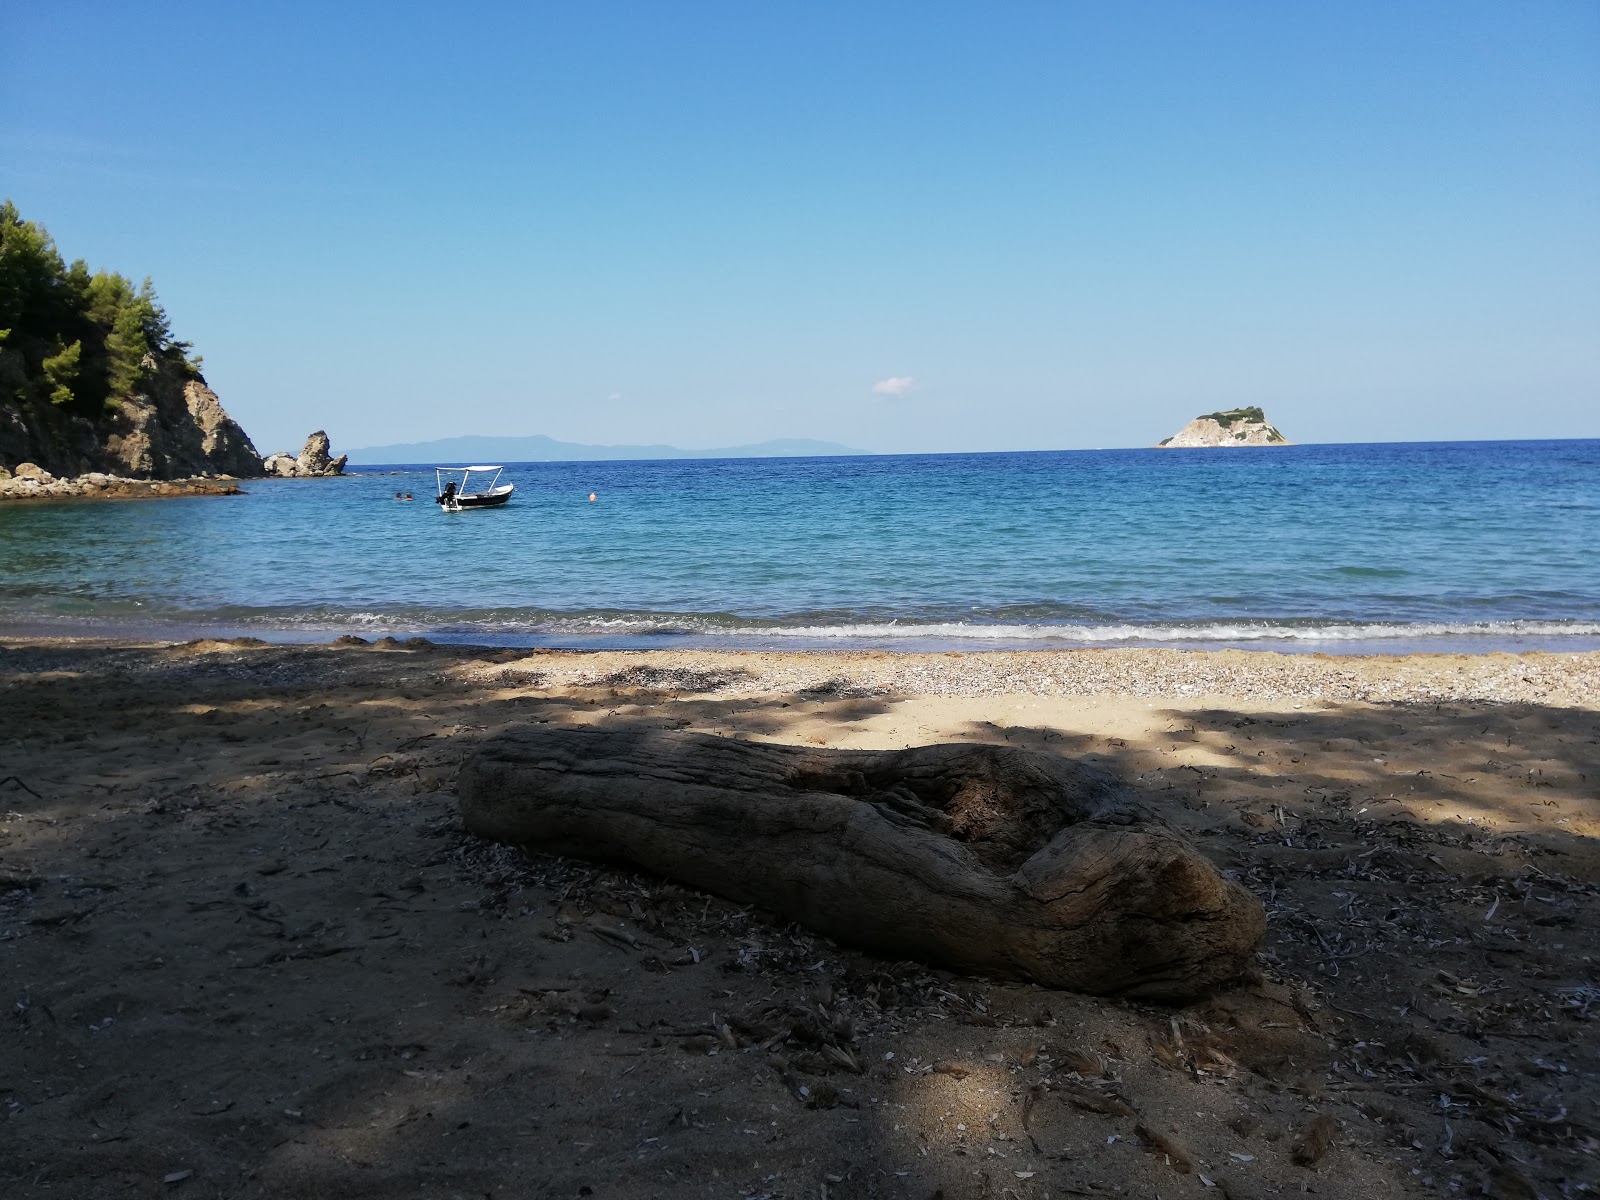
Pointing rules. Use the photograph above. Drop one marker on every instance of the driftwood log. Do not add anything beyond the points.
(980, 858)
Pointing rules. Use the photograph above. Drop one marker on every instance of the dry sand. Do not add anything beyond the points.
(245, 949)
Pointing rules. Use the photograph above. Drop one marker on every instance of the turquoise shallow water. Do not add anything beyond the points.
(1485, 545)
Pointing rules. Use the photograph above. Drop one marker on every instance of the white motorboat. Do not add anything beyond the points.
(486, 491)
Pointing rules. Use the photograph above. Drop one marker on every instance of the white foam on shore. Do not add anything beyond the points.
(531, 627)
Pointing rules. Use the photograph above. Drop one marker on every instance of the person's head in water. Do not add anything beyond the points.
(398, 495)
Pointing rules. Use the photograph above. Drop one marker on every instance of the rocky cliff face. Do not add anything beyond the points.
(1235, 427)
(173, 429)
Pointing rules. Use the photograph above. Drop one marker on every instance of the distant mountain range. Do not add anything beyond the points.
(539, 448)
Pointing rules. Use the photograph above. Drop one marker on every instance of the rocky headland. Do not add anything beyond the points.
(1235, 427)
(98, 398)
(172, 427)
(173, 439)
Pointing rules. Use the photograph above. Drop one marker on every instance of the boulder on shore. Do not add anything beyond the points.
(1234, 427)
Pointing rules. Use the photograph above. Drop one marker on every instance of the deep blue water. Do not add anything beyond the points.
(1453, 545)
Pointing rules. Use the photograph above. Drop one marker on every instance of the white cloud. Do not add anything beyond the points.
(895, 385)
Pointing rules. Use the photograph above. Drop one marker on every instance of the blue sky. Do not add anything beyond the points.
(1067, 225)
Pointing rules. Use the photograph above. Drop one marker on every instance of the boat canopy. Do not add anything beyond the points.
(466, 487)
(456, 495)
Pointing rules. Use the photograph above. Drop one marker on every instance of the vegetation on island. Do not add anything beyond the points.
(73, 340)
(1253, 415)
(1250, 415)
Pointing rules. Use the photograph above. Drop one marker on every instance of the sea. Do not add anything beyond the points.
(1385, 548)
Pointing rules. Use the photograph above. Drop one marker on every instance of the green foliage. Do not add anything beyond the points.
(61, 372)
(126, 348)
(105, 295)
(32, 295)
(85, 339)
(78, 280)
(152, 317)
(1225, 419)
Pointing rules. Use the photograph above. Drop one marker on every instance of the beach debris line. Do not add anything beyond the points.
(669, 679)
(982, 858)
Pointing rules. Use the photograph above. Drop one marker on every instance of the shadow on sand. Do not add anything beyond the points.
(245, 939)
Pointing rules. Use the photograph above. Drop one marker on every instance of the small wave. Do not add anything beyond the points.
(1372, 572)
(724, 625)
(601, 626)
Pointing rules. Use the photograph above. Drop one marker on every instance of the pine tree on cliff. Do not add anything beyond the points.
(125, 351)
(33, 298)
(86, 356)
(61, 372)
(74, 340)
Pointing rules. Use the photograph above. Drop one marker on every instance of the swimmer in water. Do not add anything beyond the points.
(592, 497)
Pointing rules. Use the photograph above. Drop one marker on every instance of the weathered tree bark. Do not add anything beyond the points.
(981, 858)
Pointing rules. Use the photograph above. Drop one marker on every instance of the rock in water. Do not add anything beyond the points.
(316, 457)
(981, 858)
(313, 462)
(1236, 427)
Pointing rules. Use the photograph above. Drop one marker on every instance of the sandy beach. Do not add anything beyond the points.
(248, 951)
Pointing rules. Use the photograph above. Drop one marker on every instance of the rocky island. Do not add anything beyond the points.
(1235, 427)
(98, 398)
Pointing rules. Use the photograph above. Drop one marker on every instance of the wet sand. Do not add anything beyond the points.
(248, 952)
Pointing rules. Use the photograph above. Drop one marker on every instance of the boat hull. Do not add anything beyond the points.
(481, 501)
(490, 499)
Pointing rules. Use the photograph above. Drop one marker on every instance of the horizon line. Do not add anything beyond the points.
(709, 454)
